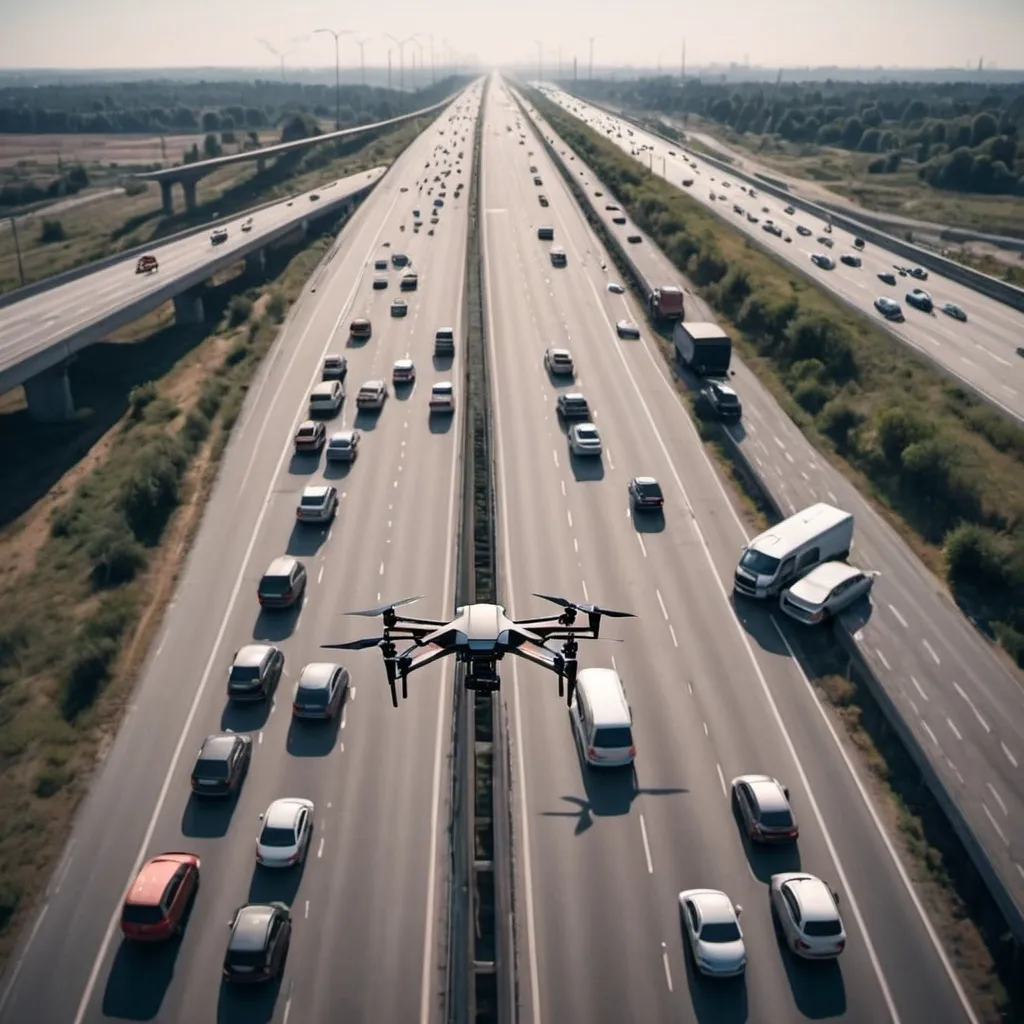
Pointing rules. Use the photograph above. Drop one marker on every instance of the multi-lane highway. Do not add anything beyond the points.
(982, 351)
(602, 857)
(368, 901)
(953, 691)
(42, 324)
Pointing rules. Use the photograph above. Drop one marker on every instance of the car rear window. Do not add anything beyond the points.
(312, 500)
(614, 737)
(720, 931)
(650, 490)
(136, 913)
(244, 673)
(341, 442)
(211, 769)
(776, 819)
(821, 929)
(247, 957)
(275, 585)
(277, 837)
(313, 695)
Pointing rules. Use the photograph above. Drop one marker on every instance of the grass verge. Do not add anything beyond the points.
(964, 914)
(89, 568)
(946, 469)
(98, 229)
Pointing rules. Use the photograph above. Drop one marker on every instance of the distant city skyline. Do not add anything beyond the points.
(113, 34)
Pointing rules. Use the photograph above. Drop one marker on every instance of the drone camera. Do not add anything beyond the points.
(483, 679)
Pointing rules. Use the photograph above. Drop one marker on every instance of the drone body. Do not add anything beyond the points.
(479, 636)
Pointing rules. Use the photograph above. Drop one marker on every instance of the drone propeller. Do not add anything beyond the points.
(357, 645)
(590, 609)
(382, 609)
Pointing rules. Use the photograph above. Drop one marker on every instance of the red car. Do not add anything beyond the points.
(146, 265)
(158, 898)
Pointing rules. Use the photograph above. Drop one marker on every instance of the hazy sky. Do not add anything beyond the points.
(186, 33)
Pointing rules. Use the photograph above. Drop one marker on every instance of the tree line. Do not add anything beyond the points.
(960, 136)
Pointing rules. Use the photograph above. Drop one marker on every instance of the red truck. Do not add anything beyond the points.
(666, 303)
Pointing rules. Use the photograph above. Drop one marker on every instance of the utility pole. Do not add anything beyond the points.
(682, 63)
(361, 43)
(389, 70)
(277, 53)
(17, 250)
(433, 66)
(401, 44)
(337, 71)
(591, 75)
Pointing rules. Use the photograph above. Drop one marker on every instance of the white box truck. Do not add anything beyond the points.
(778, 557)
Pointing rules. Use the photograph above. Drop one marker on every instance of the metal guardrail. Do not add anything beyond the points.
(946, 801)
(991, 287)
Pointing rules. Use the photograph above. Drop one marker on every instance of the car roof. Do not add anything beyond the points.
(282, 813)
(317, 675)
(360, 320)
(149, 885)
(645, 481)
(559, 352)
(333, 357)
(251, 927)
(724, 388)
(251, 655)
(316, 491)
(442, 385)
(281, 566)
(768, 792)
(375, 384)
(306, 425)
(585, 428)
(403, 364)
(572, 396)
(814, 897)
(218, 747)
(818, 583)
(342, 437)
(326, 387)
(715, 907)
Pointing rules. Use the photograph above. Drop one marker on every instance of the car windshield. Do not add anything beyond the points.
(277, 837)
(135, 913)
(244, 673)
(314, 695)
(614, 737)
(274, 585)
(776, 819)
(720, 931)
(211, 768)
(759, 563)
(822, 929)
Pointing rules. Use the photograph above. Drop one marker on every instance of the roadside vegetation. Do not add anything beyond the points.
(94, 527)
(946, 152)
(943, 468)
(91, 232)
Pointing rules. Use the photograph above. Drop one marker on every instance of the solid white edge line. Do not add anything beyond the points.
(531, 932)
(865, 796)
(745, 641)
(435, 797)
(101, 953)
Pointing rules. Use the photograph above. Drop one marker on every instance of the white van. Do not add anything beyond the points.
(791, 549)
(326, 398)
(601, 720)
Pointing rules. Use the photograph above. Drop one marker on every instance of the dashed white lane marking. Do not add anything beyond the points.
(920, 690)
(998, 798)
(881, 657)
(956, 731)
(721, 779)
(647, 846)
(672, 633)
(931, 650)
(1009, 756)
(928, 729)
(661, 603)
(995, 824)
(902, 621)
(971, 705)
(668, 971)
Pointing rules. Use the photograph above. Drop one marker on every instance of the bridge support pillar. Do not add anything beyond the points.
(190, 195)
(167, 196)
(49, 396)
(256, 263)
(188, 308)
(261, 164)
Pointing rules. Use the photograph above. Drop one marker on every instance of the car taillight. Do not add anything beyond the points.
(841, 945)
(632, 751)
(756, 830)
(592, 753)
(287, 595)
(800, 944)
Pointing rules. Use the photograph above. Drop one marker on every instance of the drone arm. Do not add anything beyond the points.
(538, 655)
(410, 661)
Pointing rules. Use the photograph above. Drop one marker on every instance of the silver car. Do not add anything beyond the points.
(627, 329)
(343, 446)
(825, 591)
(287, 829)
(806, 911)
(713, 928)
(584, 439)
(318, 504)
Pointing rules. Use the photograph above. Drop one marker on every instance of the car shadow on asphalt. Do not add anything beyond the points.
(756, 617)
(440, 422)
(403, 392)
(442, 363)
(766, 860)
(276, 624)
(335, 470)
(248, 1004)
(139, 979)
(277, 885)
(648, 520)
(304, 463)
(208, 817)
(587, 469)
(310, 737)
(714, 1000)
(356, 342)
(308, 538)
(818, 988)
(366, 419)
(246, 716)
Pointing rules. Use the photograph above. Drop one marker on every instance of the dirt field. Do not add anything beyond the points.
(43, 150)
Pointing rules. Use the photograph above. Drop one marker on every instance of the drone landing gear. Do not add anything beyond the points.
(483, 679)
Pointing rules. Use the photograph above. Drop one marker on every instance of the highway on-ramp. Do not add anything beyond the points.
(41, 325)
(981, 352)
(368, 901)
(954, 692)
(602, 857)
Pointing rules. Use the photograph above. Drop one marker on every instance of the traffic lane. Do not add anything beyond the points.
(113, 820)
(608, 393)
(69, 307)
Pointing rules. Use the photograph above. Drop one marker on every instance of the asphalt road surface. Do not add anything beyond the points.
(982, 351)
(41, 321)
(955, 692)
(367, 902)
(602, 856)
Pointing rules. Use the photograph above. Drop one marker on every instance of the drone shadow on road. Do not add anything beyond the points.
(819, 990)
(248, 1004)
(715, 1000)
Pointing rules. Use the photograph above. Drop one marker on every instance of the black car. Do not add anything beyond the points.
(723, 400)
(320, 690)
(283, 584)
(258, 944)
(255, 671)
(221, 764)
(920, 299)
(645, 492)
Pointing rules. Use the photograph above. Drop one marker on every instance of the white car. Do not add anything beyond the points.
(713, 928)
(372, 395)
(403, 372)
(825, 591)
(819, 259)
(247, 224)
(287, 829)
(584, 439)
(442, 397)
(343, 446)
(615, 288)
(627, 329)
(953, 310)
(318, 504)
(806, 911)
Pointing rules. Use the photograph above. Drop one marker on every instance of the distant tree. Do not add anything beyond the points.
(211, 146)
(211, 121)
(52, 231)
(983, 127)
(916, 111)
(852, 132)
(870, 141)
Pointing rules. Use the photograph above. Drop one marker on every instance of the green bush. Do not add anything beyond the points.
(277, 307)
(10, 897)
(195, 430)
(151, 490)
(52, 231)
(239, 310)
(210, 397)
(236, 354)
(51, 780)
(139, 397)
(160, 410)
(116, 556)
(88, 673)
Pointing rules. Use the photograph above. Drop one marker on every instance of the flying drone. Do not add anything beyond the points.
(479, 636)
